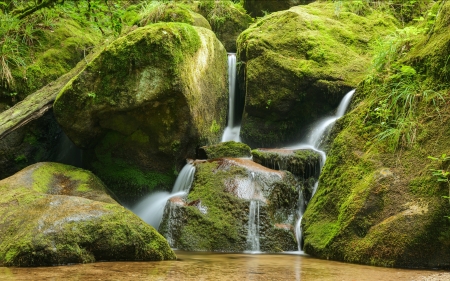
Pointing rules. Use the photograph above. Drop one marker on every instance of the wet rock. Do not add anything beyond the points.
(54, 214)
(304, 163)
(145, 103)
(215, 215)
(225, 149)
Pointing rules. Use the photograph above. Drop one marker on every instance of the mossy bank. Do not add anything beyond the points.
(378, 201)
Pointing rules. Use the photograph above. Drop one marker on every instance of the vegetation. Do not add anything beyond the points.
(397, 93)
(404, 10)
(41, 40)
(377, 202)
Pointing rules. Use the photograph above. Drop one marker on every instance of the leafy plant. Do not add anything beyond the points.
(397, 91)
(441, 175)
(215, 128)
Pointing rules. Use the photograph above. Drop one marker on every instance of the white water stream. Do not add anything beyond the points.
(151, 208)
(318, 134)
(232, 130)
(253, 227)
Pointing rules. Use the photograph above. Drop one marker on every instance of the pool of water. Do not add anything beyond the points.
(215, 266)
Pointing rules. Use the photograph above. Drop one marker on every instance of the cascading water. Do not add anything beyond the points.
(253, 227)
(232, 130)
(151, 208)
(318, 133)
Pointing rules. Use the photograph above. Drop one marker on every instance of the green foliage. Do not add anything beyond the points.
(215, 128)
(442, 174)
(397, 91)
(218, 12)
(404, 10)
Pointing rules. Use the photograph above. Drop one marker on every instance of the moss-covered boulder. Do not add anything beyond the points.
(226, 18)
(258, 8)
(171, 12)
(225, 149)
(380, 199)
(298, 64)
(56, 214)
(216, 214)
(145, 103)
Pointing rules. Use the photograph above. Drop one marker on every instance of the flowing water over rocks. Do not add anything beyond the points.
(151, 208)
(232, 130)
(318, 134)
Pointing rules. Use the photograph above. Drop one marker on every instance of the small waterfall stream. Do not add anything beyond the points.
(318, 134)
(151, 208)
(253, 227)
(232, 130)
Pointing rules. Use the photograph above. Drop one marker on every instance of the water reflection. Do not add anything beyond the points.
(200, 266)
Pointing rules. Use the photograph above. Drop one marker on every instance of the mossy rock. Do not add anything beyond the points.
(173, 12)
(54, 214)
(258, 8)
(225, 149)
(296, 66)
(226, 18)
(304, 163)
(376, 207)
(144, 104)
(215, 215)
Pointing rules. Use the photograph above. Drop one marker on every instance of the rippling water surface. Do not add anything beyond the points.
(213, 266)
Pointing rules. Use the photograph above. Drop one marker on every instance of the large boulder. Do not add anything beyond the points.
(144, 104)
(296, 65)
(54, 214)
(234, 205)
(373, 206)
(258, 8)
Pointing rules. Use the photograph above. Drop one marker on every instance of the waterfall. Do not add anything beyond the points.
(253, 227)
(318, 133)
(232, 130)
(151, 208)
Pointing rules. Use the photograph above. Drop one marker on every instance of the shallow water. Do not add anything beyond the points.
(213, 266)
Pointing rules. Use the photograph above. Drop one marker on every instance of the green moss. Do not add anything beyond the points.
(227, 20)
(39, 229)
(171, 12)
(219, 228)
(303, 163)
(379, 207)
(227, 149)
(60, 50)
(127, 180)
(302, 61)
